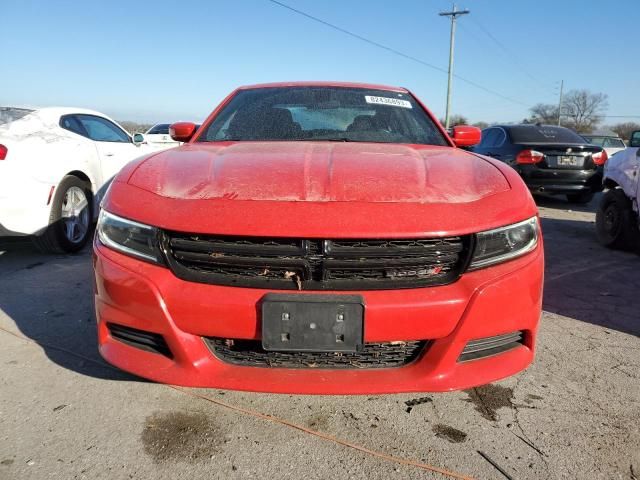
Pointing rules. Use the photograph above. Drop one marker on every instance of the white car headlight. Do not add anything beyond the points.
(505, 243)
(129, 237)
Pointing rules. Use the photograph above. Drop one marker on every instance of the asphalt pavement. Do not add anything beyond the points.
(64, 413)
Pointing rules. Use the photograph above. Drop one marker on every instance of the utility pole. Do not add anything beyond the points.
(454, 15)
(560, 103)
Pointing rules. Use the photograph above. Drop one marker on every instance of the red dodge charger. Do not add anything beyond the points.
(326, 238)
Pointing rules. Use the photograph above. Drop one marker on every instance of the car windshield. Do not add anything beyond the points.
(323, 114)
(544, 134)
(11, 114)
(594, 140)
(613, 143)
(160, 129)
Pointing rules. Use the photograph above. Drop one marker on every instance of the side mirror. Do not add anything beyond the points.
(138, 138)
(182, 131)
(466, 136)
(634, 140)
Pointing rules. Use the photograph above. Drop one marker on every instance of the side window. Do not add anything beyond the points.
(71, 123)
(489, 137)
(500, 138)
(102, 130)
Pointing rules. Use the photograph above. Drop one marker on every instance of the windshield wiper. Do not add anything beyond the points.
(336, 139)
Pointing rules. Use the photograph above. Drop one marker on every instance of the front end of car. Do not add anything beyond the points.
(319, 238)
(421, 312)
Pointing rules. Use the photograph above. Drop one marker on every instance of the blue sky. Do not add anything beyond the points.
(166, 61)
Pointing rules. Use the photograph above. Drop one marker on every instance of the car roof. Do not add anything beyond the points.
(325, 84)
(68, 110)
(51, 115)
(527, 125)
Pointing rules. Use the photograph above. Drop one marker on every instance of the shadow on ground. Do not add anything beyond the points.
(559, 202)
(588, 282)
(50, 299)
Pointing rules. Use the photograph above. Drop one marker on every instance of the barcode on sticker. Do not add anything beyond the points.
(394, 102)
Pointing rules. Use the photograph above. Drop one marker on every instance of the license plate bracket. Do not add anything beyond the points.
(312, 323)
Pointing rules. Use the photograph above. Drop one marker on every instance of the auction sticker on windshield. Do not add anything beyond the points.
(395, 102)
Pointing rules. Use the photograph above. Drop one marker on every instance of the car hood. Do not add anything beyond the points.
(319, 172)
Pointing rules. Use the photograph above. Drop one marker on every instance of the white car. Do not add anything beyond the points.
(55, 166)
(158, 135)
(618, 216)
(610, 143)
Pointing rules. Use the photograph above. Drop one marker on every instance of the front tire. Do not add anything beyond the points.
(616, 222)
(70, 219)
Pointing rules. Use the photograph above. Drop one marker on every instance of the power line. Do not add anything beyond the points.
(509, 53)
(394, 51)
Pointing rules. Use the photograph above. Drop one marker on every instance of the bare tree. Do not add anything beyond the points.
(456, 120)
(134, 127)
(543, 113)
(583, 110)
(481, 125)
(624, 129)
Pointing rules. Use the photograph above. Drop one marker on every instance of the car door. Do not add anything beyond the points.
(114, 145)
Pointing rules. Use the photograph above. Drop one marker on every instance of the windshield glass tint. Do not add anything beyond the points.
(160, 129)
(613, 143)
(9, 114)
(595, 140)
(544, 134)
(323, 113)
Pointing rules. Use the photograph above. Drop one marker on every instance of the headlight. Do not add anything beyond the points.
(129, 237)
(505, 243)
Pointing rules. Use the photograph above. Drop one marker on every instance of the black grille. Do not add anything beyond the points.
(250, 353)
(485, 347)
(149, 341)
(304, 264)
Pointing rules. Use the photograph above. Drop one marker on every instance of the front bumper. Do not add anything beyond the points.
(493, 301)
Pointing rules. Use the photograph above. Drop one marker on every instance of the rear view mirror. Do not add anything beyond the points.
(634, 141)
(466, 136)
(138, 138)
(182, 131)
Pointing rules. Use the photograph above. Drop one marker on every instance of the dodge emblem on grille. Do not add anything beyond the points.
(422, 272)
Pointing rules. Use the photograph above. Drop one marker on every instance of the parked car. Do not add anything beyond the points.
(610, 141)
(55, 164)
(158, 136)
(617, 223)
(550, 159)
(319, 238)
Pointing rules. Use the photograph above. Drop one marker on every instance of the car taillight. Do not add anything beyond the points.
(600, 158)
(3, 152)
(529, 156)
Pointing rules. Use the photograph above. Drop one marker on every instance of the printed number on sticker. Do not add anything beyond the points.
(394, 102)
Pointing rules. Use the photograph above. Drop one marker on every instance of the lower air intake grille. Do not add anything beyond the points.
(151, 342)
(250, 353)
(485, 347)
